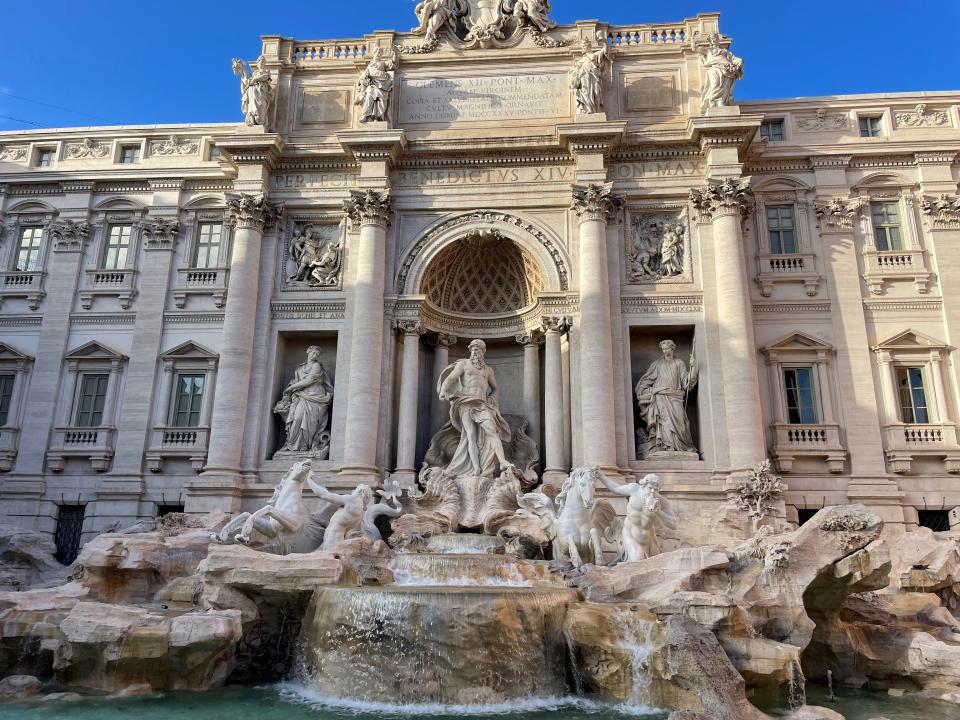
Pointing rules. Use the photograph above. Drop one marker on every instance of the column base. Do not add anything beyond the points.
(214, 490)
(360, 475)
(406, 477)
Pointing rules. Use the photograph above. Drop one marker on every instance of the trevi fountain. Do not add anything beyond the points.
(501, 566)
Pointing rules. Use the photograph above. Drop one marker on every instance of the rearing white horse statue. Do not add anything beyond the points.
(282, 517)
(574, 524)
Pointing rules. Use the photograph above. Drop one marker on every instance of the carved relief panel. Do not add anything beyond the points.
(657, 246)
(312, 253)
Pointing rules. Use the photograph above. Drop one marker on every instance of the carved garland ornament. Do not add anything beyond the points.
(174, 146)
(921, 118)
(492, 218)
(253, 211)
(729, 197)
(88, 148)
(943, 212)
(838, 214)
(596, 201)
(368, 207)
(12, 153)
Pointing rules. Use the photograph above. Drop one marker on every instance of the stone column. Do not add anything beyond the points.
(405, 472)
(531, 342)
(439, 409)
(553, 455)
(370, 211)
(251, 214)
(594, 204)
(723, 204)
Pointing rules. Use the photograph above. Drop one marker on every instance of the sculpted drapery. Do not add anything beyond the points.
(305, 407)
(662, 394)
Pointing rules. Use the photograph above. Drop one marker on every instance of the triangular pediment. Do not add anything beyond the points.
(189, 349)
(798, 341)
(911, 340)
(94, 350)
(11, 353)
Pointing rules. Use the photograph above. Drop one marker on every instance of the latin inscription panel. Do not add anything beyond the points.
(484, 99)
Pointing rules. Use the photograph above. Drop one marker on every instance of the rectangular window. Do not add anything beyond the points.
(870, 127)
(214, 153)
(783, 238)
(913, 399)
(44, 157)
(130, 154)
(936, 520)
(886, 226)
(28, 249)
(68, 532)
(805, 514)
(93, 396)
(772, 130)
(6, 395)
(801, 405)
(118, 247)
(207, 253)
(188, 400)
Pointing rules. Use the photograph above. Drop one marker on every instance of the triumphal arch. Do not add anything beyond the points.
(664, 279)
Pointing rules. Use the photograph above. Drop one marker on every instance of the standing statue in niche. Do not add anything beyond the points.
(662, 396)
(645, 508)
(257, 92)
(375, 85)
(471, 389)
(586, 76)
(305, 408)
(721, 69)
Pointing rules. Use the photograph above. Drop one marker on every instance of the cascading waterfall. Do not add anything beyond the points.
(796, 686)
(634, 639)
(473, 631)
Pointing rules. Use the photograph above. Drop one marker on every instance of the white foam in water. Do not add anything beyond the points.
(404, 577)
(305, 696)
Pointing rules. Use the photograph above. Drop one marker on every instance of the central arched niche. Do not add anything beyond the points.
(483, 273)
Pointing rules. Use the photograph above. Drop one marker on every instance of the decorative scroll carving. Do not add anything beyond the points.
(368, 207)
(88, 149)
(555, 323)
(921, 118)
(482, 23)
(160, 233)
(67, 235)
(12, 153)
(596, 201)
(174, 146)
(943, 212)
(823, 122)
(838, 214)
(253, 211)
(730, 196)
(658, 247)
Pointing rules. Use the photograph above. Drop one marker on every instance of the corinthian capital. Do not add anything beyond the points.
(253, 211)
(838, 214)
(596, 201)
(730, 196)
(67, 235)
(160, 233)
(368, 207)
(942, 212)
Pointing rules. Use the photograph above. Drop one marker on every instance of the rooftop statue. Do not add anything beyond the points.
(436, 14)
(257, 92)
(375, 85)
(586, 76)
(721, 69)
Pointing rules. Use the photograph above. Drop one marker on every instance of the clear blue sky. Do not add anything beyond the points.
(107, 62)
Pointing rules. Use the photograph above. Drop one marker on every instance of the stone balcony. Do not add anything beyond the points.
(201, 281)
(29, 285)
(109, 283)
(794, 268)
(177, 442)
(821, 440)
(8, 447)
(94, 443)
(892, 265)
(906, 442)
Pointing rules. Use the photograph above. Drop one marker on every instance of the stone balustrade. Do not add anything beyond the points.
(882, 266)
(820, 440)
(119, 283)
(177, 442)
(201, 281)
(905, 442)
(93, 443)
(28, 285)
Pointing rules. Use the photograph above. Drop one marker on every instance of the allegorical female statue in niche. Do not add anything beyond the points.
(305, 408)
(662, 396)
